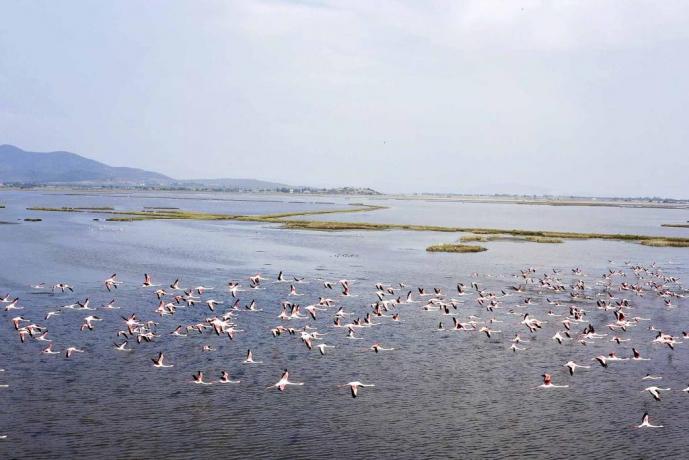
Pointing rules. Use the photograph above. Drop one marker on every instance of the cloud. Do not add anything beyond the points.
(401, 95)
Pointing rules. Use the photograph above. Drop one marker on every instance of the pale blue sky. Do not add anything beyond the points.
(491, 96)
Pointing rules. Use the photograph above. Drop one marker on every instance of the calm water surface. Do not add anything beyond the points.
(437, 395)
(638, 221)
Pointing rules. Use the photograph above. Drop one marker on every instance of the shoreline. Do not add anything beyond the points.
(633, 202)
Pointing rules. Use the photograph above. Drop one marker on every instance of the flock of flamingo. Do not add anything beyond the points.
(531, 302)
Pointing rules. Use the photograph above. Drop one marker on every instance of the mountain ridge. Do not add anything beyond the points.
(67, 168)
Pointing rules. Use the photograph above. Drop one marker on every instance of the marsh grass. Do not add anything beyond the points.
(130, 216)
(663, 243)
(337, 225)
(532, 239)
(283, 215)
(470, 238)
(477, 233)
(543, 239)
(455, 247)
(69, 209)
(63, 209)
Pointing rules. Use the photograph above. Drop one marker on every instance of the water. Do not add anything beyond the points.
(637, 221)
(444, 394)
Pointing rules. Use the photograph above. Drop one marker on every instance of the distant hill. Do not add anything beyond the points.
(19, 166)
(239, 184)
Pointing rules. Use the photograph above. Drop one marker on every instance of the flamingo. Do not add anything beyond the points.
(284, 381)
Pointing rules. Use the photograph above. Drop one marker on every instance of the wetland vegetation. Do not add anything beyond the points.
(665, 243)
(286, 220)
(532, 239)
(455, 247)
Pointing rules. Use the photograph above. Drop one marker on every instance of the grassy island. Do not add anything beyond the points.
(455, 247)
(286, 220)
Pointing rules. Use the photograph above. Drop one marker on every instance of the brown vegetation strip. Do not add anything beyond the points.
(452, 247)
(282, 218)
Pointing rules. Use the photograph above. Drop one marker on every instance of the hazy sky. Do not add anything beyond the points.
(587, 97)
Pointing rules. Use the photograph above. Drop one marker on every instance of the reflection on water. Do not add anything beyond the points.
(437, 394)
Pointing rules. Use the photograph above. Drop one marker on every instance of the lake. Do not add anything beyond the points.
(438, 394)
